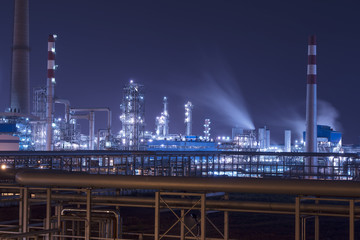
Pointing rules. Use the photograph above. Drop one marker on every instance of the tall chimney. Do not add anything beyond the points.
(50, 89)
(20, 95)
(311, 106)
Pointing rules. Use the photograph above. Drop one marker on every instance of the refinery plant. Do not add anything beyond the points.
(40, 130)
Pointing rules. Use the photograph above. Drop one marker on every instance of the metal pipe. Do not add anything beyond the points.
(242, 185)
(96, 110)
(92, 110)
(203, 216)
(226, 220)
(88, 215)
(25, 210)
(297, 218)
(48, 211)
(210, 204)
(157, 215)
(317, 224)
(20, 84)
(67, 108)
(352, 219)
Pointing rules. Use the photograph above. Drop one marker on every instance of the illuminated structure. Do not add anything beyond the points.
(188, 118)
(311, 106)
(43, 131)
(207, 129)
(162, 122)
(132, 117)
(50, 89)
(287, 142)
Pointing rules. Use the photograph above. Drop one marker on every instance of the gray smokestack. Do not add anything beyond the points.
(20, 97)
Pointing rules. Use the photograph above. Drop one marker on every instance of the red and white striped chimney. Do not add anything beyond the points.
(311, 106)
(50, 91)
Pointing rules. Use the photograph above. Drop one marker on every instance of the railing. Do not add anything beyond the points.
(332, 166)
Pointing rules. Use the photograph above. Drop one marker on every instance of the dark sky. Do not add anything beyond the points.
(240, 62)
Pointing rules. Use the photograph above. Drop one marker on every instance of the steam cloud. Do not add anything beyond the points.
(222, 94)
(327, 114)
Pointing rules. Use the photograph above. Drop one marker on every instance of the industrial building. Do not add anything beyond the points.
(40, 130)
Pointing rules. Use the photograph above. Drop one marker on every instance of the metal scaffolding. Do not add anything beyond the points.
(133, 116)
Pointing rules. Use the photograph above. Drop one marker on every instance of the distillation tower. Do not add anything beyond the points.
(188, 118)
(162, 121)
(133, 116)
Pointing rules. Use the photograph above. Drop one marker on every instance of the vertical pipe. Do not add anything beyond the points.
(311, 108)
(317, 225)
(20, 85)
(166, 118)
(226, 220)
(21, 205)
(157, 215)
(48, 211)
(352, 219)
(182, 224)
(88, 215)
(203, 216)
(50, 92)
(91, 130)
(297, 218)
(25, 208)
(188, 118)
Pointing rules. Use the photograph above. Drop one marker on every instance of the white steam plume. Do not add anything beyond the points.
(222, 94)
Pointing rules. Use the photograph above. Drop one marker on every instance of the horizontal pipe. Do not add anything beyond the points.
(210, 204)
(172, 153)
(238, 185)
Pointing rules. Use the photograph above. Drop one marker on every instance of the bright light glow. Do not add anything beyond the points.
(3, 166)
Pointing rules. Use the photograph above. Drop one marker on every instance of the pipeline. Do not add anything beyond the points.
(236, 185)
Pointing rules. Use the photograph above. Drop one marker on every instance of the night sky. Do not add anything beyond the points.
(240, 62)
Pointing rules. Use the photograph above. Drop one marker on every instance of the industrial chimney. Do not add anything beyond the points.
(20, 95)
(50, 89)
(311, 106)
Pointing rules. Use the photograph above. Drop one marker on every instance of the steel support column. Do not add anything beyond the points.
(317, 224)
(226, 220)
(182, 224)
(297, 218)
(352, 219)
(25, 210)
(203, 216)
(157, 215)
(48, 212)
(88, 214)
(21, 212)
